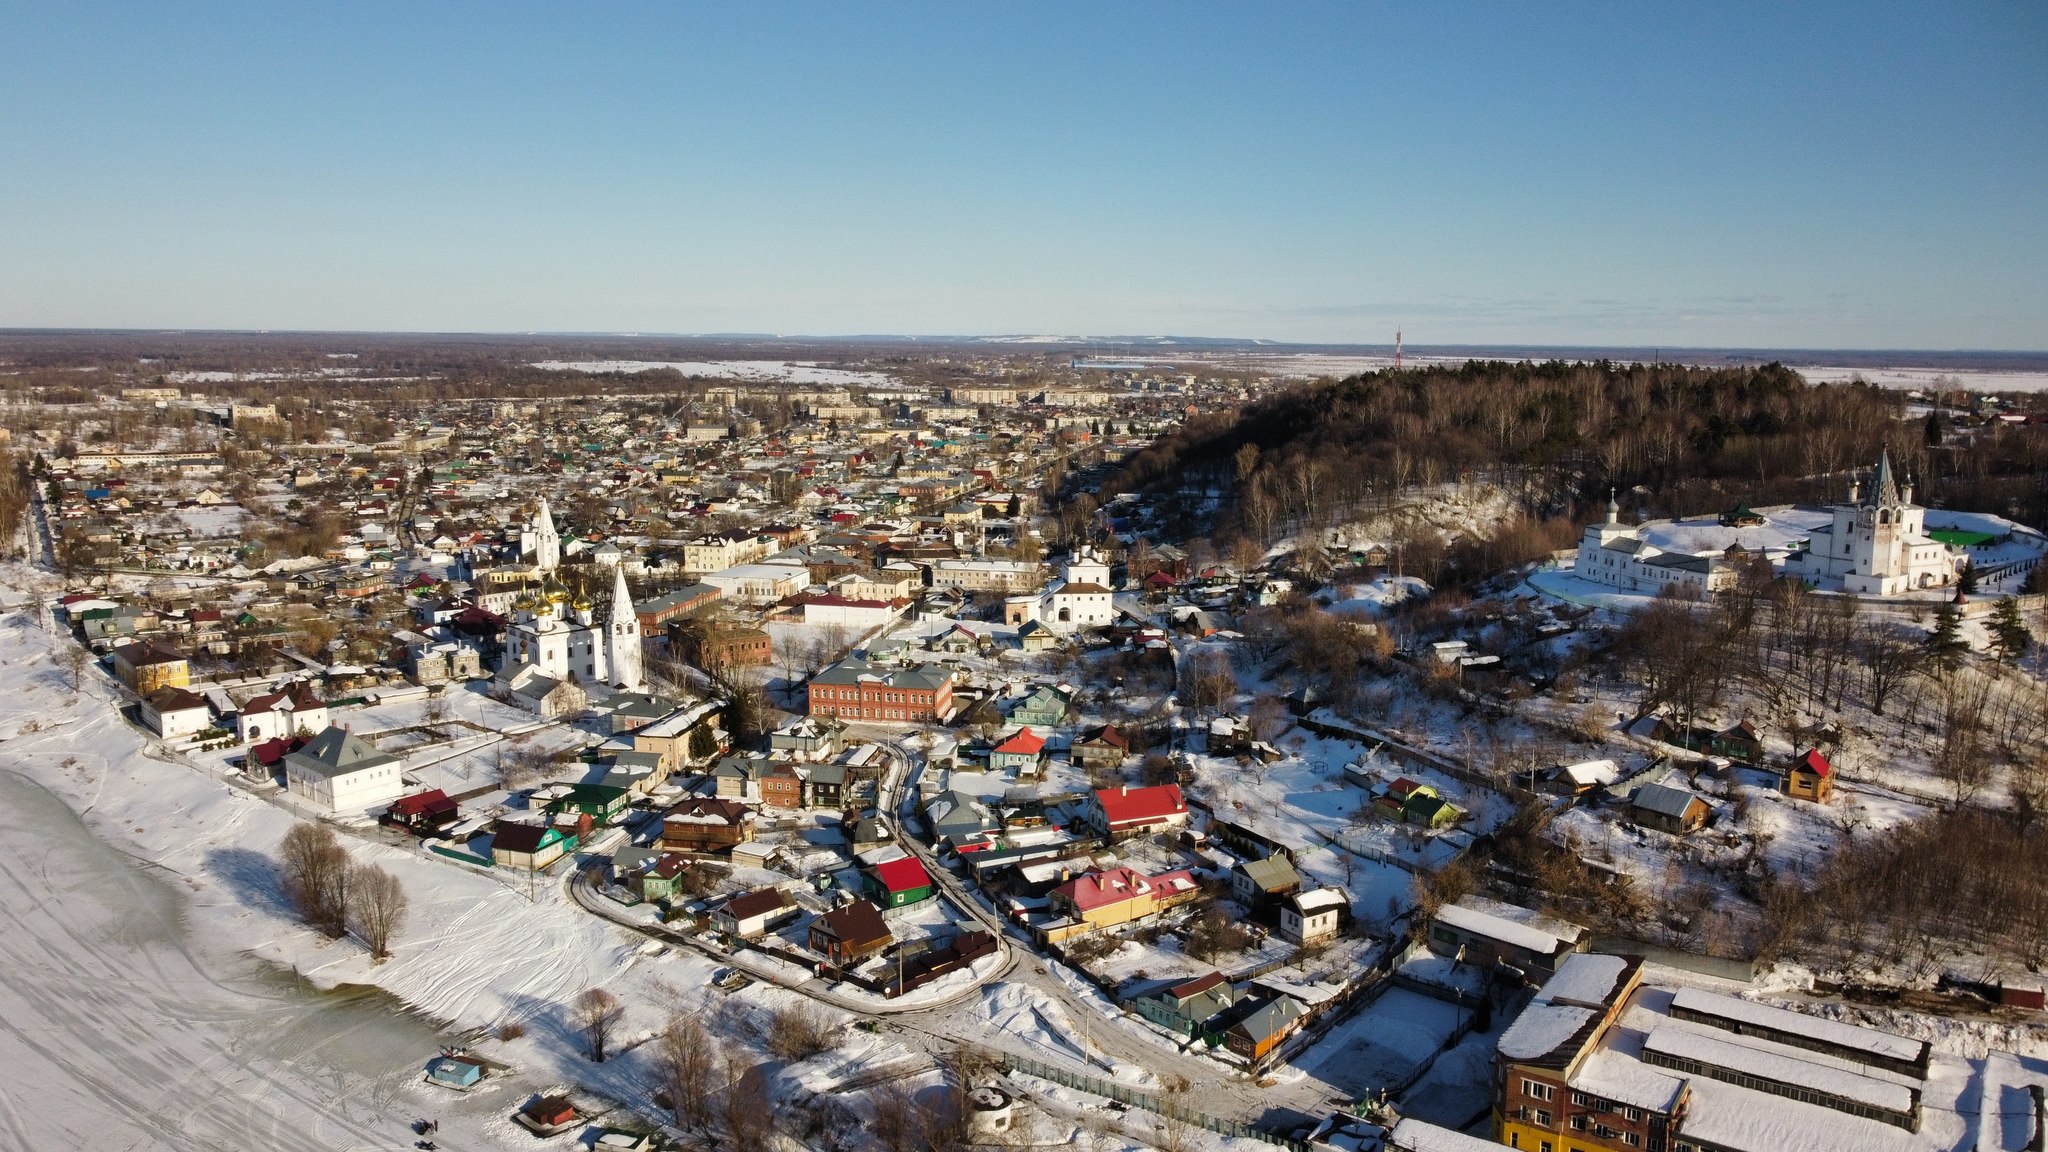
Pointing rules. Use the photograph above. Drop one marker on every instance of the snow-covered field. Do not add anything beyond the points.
(790, 371)
(1909, 379)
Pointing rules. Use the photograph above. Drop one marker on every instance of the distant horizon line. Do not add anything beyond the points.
(1132, 343)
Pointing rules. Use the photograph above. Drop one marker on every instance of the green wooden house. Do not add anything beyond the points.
(898, 883)
(603, 803)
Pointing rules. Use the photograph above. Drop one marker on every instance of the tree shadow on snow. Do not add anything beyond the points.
(252, 877)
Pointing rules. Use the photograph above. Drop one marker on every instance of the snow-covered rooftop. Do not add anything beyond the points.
(1586, 980)
(1831, 1032)
(1412, 1135)
(1776, 1063)
(1466, 918)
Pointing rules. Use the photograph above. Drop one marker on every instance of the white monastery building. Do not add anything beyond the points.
(1873, 544)
(1878, 544)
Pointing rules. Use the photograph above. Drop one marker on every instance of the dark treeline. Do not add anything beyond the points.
(1674, 440)
(1909, 896)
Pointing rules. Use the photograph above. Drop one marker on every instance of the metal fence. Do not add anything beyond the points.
(1123, 1094)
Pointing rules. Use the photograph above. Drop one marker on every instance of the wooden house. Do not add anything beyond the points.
(1022, 752)
(751, 914)
(1261, 1030)
(529, 846)
(706, 825)
(1103, 747)
(1668, 808)
(898, 883)
(1809, 777)
(1263, 883)
(851, 933)
(1185, 1007)
(423, 812)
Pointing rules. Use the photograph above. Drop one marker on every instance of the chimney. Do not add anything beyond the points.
(1123, 789)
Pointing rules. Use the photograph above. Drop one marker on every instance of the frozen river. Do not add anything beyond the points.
(117, 1031)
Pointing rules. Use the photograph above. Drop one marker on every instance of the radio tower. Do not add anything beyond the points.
(1397, 349)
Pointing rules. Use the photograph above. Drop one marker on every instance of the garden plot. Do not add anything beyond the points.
(1385, 1046)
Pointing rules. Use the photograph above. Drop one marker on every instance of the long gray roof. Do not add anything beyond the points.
(337, 752)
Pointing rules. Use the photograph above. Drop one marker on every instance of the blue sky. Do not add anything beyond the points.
(1815, 175)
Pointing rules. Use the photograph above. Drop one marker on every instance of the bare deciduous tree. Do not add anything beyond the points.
(748, 1114)
(1176, 1101)
(316, 876)
(376, 908)
(687, 1061)
(797, 1032)
(77, 658)
(598, 1013)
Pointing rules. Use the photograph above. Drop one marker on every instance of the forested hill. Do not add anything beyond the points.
(1677, 440)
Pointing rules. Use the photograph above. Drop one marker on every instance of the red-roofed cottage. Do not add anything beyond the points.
(1122, 812)
(897, 883)
(1120, 895)
(1023, 752)
(1810, 777)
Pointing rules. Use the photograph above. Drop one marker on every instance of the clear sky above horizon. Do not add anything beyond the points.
(1766, 175)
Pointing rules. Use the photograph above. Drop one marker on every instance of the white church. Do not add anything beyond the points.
(557, 640)
(1878, 544)
(1080, 598)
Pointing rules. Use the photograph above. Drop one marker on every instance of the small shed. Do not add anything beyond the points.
(453, 1071)
(1668, 808)
(548, 1116)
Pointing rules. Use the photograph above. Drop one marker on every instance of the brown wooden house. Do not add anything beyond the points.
(848, 935)
(706, 825)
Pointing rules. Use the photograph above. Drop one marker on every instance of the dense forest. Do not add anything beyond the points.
(1671, 439)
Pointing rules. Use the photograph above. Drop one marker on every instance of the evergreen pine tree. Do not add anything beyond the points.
(1933, 429)
(1946, 644)
(2008, 632)
(1966, 579)
(2037, 580)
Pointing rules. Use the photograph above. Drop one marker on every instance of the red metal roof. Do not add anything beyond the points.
(1122, 806)
(1196, 986)
(1816, 763)
(432, 800)
(1024, 742)
(1117, 885)
(904, 875)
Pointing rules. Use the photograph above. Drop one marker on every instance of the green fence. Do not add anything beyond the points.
(1124, 1094)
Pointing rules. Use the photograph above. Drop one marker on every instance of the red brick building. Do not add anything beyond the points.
(727, 646)
(853, 689)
